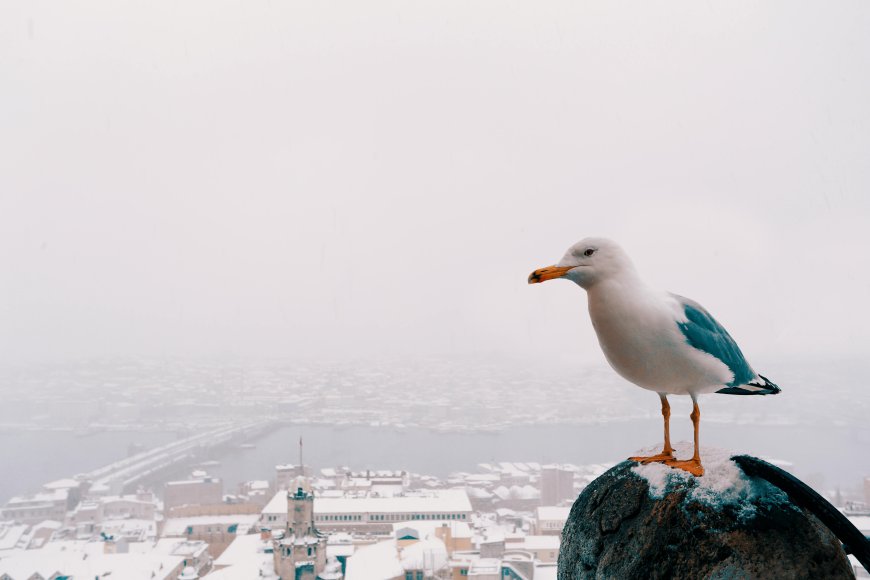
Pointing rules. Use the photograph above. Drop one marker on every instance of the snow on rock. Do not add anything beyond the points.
(722, 484)
(651, 521)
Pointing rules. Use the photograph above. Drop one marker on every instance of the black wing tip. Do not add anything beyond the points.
(765, 388)
(770, 385)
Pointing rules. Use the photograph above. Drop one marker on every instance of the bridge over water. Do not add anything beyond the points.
(121, 476)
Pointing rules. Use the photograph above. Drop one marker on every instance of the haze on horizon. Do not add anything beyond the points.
(359, 179)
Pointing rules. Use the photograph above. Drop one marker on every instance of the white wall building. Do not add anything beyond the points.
(374, 514)
(32, 509)
(549, 520)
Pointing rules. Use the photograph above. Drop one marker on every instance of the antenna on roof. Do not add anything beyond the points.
(301, 465)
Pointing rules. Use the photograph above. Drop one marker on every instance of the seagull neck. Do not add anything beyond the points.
(625, 286)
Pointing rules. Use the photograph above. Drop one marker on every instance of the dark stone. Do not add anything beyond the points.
(617, 530)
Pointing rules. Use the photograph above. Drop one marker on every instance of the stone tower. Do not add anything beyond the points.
(300, 551)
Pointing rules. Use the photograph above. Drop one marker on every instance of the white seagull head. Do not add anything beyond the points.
(587, 263)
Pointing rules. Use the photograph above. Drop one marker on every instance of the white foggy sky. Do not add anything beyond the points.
(365, 178)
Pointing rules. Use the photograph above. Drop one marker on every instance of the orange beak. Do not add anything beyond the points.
(548, 273)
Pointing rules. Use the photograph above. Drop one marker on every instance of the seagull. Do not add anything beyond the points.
(659, 341)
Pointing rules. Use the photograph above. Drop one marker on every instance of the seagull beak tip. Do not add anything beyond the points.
(548, 273)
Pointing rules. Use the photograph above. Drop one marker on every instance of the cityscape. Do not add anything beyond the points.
(324, 471)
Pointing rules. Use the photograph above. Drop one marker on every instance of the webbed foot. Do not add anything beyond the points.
(692, 466)
(659, 458)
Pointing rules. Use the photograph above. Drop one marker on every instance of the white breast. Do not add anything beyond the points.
(637, 331)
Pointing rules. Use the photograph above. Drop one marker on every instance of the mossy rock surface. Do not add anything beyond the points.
(620, 528)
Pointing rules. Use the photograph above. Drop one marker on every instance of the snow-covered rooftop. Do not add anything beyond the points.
(545, 572)
(517, 492)
(178, 526)
(52, 496)
(88, 560)
(434, 501)
(428, 554)
(10, 534)
(541, 542)
(550, 512)
(245, 551)
(427, 527)
(375, 562)
(62, 484)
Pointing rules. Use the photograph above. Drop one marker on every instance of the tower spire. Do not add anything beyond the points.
(301, 465)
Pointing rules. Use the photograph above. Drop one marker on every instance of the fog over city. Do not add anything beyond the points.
(317, 219)
(344, 180)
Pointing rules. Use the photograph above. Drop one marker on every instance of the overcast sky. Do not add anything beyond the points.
(368, 178)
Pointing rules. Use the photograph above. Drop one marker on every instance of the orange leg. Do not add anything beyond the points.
(692, 465)
(667, 451)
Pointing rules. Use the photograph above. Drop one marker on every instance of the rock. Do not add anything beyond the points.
(655, 522)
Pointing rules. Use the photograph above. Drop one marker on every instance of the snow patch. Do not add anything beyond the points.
(723, 483)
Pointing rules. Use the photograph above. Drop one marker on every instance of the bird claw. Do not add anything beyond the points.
(692, 466)
(660, 458)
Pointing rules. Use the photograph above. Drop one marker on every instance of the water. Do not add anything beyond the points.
(28, 459)
(830, 457)
(826, 457)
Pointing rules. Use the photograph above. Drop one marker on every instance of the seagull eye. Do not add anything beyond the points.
(589, 252)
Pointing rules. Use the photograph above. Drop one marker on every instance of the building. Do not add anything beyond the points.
(377, 514)
(10, 534)
(383, 483)
(542, 548)
(557, 485)
(518, 498)
(286, 474)
(202, 489)
(372, 514)
(32, 509)
(218, 531)
(165, 560)
(417, 551)
(549, 520)
(299, 550)
(456, 536)
(257, 492)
